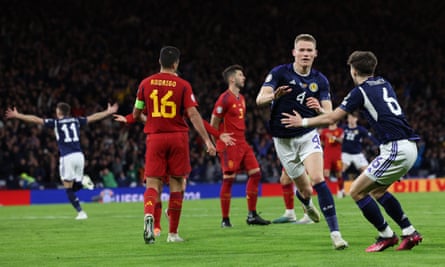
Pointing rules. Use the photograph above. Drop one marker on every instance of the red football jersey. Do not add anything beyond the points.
(166, 97)
(331, 146)
(231, 109)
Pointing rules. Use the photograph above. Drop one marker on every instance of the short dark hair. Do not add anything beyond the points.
(64, 108)
(364, 62)
(168, 56)
(230, 70)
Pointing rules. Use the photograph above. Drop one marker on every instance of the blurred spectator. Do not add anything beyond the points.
(108, 179)
(122, 180)
(50, 55)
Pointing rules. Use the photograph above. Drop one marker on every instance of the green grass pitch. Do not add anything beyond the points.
(48, 235)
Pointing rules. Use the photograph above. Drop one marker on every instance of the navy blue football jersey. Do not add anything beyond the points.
(315, 84)
(377, 100)
(67, 131)
(353, 139)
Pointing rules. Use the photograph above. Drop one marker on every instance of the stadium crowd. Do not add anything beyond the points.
(89, 53)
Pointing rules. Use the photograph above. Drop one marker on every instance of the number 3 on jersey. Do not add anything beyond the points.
(162, 106)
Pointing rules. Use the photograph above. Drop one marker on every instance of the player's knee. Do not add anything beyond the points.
(316, 179)
(378, 192)
(356, 194)
(285, 179)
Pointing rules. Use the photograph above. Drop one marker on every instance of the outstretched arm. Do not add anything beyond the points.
(295, 119)
(12, 113)
(129, 118)
(225, 137)
(319, 107)
(267, 94)
(196, 120)
(101, 115)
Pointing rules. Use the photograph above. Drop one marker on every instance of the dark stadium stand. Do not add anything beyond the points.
(88, 53)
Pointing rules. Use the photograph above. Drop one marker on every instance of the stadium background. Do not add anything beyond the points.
(88, 53)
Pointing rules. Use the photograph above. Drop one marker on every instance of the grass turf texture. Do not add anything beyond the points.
(48, 235)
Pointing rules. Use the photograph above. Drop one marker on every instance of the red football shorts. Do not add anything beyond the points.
(332, 163)
(237, 157)
(167, 154)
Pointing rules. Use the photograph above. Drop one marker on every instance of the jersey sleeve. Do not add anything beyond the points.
(325, 88)
(130, 119)
(219, 108)
(210, 129)
(189, 97)
(272, 78)
(140, 98)
(49, 123)
(352, 101)
(82, 121)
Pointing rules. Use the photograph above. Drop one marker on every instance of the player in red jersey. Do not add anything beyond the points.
(332, 139)
(229, 116)
(168, 100)
(224, 137)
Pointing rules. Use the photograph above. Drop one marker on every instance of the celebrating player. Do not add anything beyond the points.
(375, 96)
(72, 160)
(296, 86)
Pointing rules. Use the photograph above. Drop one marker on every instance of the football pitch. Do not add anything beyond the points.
(48, 235)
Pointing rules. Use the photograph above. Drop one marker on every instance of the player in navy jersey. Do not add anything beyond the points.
(297, 86)
(375, 97)
(352, 149)
(67, 132)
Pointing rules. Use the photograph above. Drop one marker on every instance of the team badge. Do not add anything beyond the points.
(219, 109)
(313, 87)
(230, 164)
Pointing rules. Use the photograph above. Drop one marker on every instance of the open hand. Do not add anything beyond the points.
(227, 139)
(282, 90)
(11, 113)
(119, 118)
(112, 108)
(313, 103)
(290, 120)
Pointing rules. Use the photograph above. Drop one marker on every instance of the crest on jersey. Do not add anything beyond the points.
(313, 87)
(268, 78)
(219, 109)
(230, 164)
